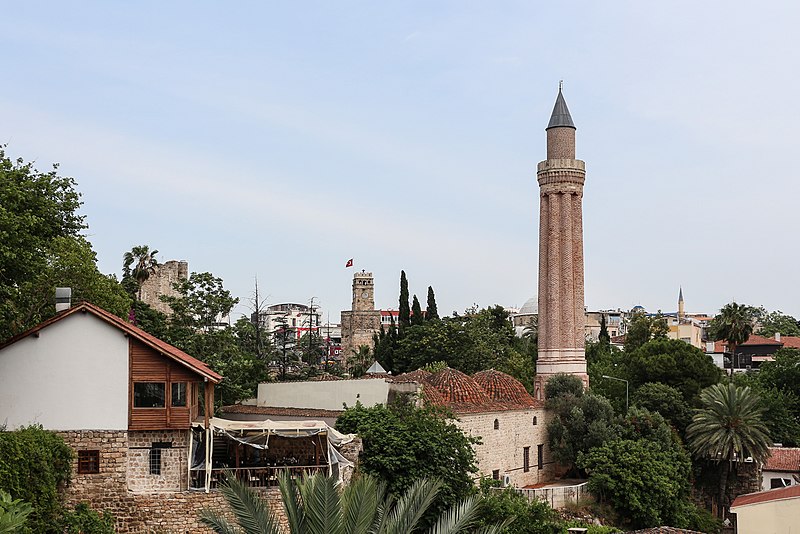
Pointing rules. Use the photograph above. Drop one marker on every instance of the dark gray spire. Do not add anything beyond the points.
(560, 116)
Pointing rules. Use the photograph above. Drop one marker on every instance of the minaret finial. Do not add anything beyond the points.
(560, 85)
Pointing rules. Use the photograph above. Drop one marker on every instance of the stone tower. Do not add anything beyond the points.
(561, 311)
(363, 320)
(681, 306)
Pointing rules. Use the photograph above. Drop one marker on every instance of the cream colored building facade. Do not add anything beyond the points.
(768, 512)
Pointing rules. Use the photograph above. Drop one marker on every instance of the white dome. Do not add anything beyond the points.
(531, 307)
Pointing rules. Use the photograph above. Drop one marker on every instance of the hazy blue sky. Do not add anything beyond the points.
(281, 139)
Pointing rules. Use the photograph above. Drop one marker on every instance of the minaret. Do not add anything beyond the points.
(561, 312)
(681, 309)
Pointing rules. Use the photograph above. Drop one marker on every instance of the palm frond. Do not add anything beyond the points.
(217, 523)
(458, 518)
(322, 505)
(412, 505)
(253, 515)
(292, 503)
(360, 502)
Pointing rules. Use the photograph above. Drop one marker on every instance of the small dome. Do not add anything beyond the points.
(432, 396)
(458, 388)
(531, 307)
(502, 387)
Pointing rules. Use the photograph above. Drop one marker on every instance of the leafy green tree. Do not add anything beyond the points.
(435, 341)
(431, 311)
(404, 316)
(384, 344)
(580, 423)
(563, 384)
(734, 324)
(13, 513)
(665, 400)
(728, 429)
(144, 263)
(782, 373)
(777, 322)
(527, 517)
(416, 312)
(671, 362)
(618, 470)
(84, 520)
(317, 505)
(359, 361)
(201, 300)
(642, 328)
(403, 443)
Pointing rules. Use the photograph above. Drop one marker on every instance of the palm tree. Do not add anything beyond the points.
(316, 505)
(727, 429)
(146, 264)
(734, 324)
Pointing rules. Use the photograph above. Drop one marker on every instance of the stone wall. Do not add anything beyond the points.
(173, 465)
(502, 449)
(160, 283)
(155, 511)
(358, 328)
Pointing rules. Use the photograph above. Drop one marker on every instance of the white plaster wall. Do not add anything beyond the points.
(323, 395)
(776, 517)
(74, 376)
(766, 476)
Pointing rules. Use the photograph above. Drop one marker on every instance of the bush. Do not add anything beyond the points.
(13, 513)
(84, 520)
(527, 517)
(34, 465)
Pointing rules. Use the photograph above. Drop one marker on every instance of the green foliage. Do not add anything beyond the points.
(431, 311)
(734, 324)
(416, 312)
(403, 443)
(84, 520)
(315, 505)
(645, 483)
(603, 336)
(200, 302)
(783, 373)
(579, 424)
(642, 328)
(527, 517)
(34, 465)
(665, 400)
(671, 362)
(563, 384)
(13, 513)
(144, 264)
(777, 322)
(404, 316)
(36, 208)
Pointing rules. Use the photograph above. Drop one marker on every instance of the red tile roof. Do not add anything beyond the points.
(753, 340)
(791, 492)
(790, 342)
(269, 410)
(153, 342)
(457, 388)
(504, 388)
(783, 459)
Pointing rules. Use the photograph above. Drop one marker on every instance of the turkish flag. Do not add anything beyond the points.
(349, 263)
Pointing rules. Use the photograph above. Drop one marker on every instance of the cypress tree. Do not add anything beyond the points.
(603, 337)
(405, 314)
(416, 312)
(431, 312)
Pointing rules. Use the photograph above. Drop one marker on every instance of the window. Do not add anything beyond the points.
(496, 474)
(148, 394)
(497, 424)
(526, 459)
(88, 462)
(779, 483)
(534, 420)
(540, 456)
(155, 461)
(179, 394)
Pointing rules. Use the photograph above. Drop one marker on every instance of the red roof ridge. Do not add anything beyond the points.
(789, 492)
(148, 339)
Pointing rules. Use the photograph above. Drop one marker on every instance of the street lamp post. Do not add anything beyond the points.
(626, 388)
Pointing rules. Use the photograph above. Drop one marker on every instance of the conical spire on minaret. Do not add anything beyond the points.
(560, 117)
(680, 294)
(681, 308)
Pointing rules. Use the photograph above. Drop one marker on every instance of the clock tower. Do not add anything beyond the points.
(362, 321)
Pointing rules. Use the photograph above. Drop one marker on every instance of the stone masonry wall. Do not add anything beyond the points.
(502, 449)
(160, 283)
(173, 466)
(156, 511)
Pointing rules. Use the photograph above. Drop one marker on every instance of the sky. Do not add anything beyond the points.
(277, 140)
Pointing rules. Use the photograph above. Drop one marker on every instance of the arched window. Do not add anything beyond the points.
(534, 420)
(497, 424)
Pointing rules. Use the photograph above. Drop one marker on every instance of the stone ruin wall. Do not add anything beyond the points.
(358, 328)
(160, 283)
(149, 509)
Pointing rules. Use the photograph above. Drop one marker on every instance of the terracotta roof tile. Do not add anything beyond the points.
(791, 492)
(458, 388)
(783, 459)
(419, 376)
(791, 342)
(268, 410)
(325, 377)
(504, 388)
(153, 342)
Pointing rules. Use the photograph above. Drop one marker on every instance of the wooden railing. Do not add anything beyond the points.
(254, 477)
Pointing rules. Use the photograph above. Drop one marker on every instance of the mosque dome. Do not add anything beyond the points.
(531, 307)
(502, 387)
(457, 388)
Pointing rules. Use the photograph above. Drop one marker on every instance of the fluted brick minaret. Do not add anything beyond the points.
(561, 312)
